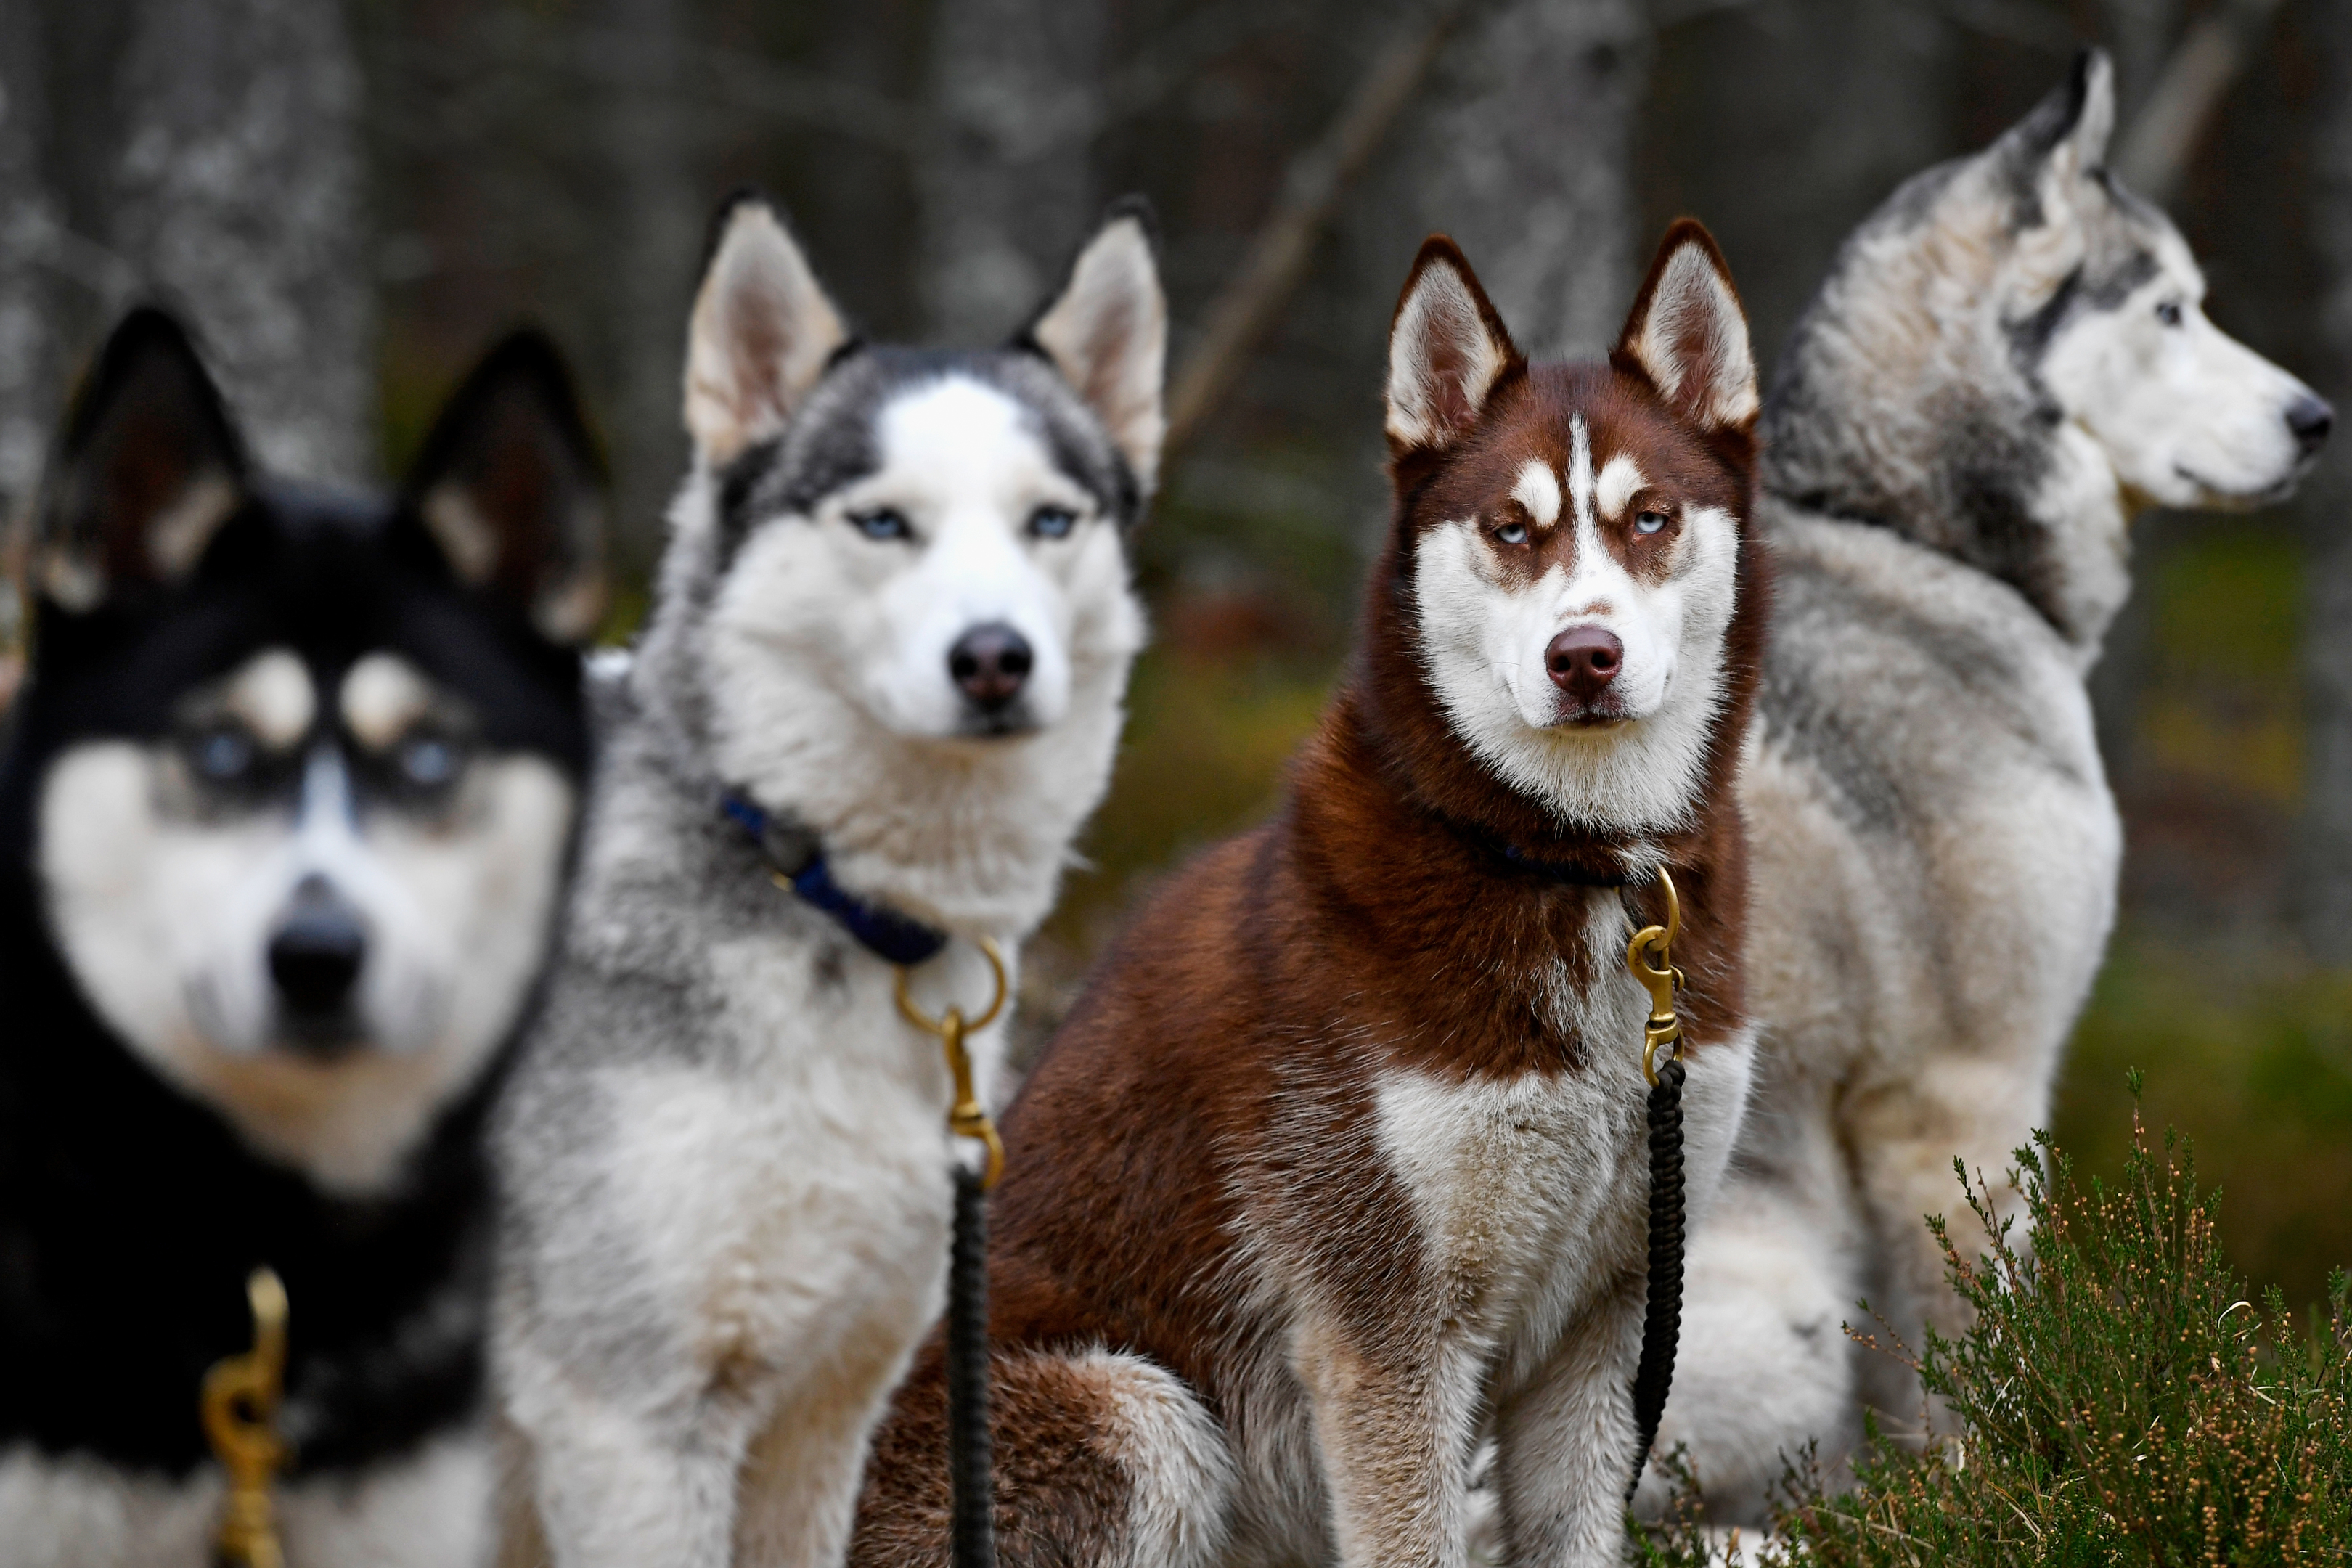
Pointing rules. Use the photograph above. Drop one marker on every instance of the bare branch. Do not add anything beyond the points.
(2157, 149)
(1311, 191)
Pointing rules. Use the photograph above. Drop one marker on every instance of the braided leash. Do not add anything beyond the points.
(1650, 955)
(969, 1456)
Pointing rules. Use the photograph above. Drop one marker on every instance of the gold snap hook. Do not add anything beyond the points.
(967, 1118)
(1650, 955)
(241, 1401)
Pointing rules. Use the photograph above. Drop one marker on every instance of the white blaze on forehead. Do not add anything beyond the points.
(1621, 479)
(1539, 491)
(271, 693)
(1580, 470)
(965, 441)
(384, 695)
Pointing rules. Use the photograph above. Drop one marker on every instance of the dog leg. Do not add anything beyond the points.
(1564, 1445)
(636, 1486)
(1395, 1438)
(1904, 1137)
(800, 1480)
(1764, 1365)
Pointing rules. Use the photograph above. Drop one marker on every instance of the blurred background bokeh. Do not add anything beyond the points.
(348, 200)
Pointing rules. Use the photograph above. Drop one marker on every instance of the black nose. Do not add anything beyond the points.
(991, 664)
(2311, 419)
(1583, 659)
(315, 957)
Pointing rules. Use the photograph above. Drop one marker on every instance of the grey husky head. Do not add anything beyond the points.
(896, 605)
(2011, 357)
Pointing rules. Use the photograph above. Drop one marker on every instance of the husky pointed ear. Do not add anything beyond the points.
(1687, 336)
(761, 333)
(1107, 332)
(1447, 348)
(147, 470)
(2062, 139)
(510, 490)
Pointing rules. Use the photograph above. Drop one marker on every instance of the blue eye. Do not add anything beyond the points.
(1053, 522)
(2168, 313)
(428, 761)
(1512, 534)
(224, 754)
(1650, 523)
(884, 524)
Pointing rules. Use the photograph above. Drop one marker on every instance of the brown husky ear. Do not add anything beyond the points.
(1447, 348)
(1687, 335)
(148, 469)
(1107, 332)
(510, 489)
(761, 333)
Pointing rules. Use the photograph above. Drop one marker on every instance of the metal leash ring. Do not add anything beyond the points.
(967, 1118)
(1650, 955)
(241, 1394)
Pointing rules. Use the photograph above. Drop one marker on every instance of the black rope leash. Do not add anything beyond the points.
(1662, 1323)
(969, 1454)
(972, 1494)
(1650, 955)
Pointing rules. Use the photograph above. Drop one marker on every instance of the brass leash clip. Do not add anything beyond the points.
(967, 1118)
(241, 1394)
(1650, 955)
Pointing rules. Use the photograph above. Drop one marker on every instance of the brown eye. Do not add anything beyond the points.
(1649, 523)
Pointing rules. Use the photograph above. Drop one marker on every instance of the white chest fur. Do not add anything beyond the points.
(1531, 1191)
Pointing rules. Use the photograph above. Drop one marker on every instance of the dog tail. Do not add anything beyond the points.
(1101, 1458)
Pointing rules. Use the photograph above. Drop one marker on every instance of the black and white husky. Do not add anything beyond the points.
(2006, 363)
(879, 694)
(282, 827)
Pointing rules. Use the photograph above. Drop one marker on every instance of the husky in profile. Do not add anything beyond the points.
(1340, 1163)
(879, 694)
(2007, 362)
(283, 823)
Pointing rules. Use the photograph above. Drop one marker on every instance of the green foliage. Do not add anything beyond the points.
(2117, 1400)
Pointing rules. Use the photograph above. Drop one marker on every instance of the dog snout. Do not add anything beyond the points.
(317, 952)
(2310, 419)
(1584, 660)
(990, 664)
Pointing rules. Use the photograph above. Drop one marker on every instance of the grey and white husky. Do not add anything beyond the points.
(879, 693)
(2007, 362)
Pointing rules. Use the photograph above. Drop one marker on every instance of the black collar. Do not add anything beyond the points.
(796, 857)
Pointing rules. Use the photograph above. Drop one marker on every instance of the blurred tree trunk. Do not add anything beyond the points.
(1007, 180)
(1522, 151)
(236, 195)
(27, 233)
(658, 214)
(2327, 833)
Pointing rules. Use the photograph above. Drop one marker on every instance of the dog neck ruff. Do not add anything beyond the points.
(796, 860)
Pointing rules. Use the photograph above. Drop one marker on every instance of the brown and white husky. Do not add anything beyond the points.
(1338, 1170)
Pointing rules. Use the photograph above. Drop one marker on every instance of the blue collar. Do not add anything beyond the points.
(793, 854)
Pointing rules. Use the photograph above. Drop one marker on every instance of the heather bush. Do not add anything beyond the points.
(2116, 1400)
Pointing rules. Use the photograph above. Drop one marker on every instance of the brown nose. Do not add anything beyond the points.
(1583, 659)
(990, 664)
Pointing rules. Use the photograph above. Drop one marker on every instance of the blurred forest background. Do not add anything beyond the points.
(348, 200)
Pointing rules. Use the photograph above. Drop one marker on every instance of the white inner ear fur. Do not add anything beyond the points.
(1538, 489)
(72, 572)
(1621, 479)
(759, 336)
(1440, 343)
(1694, 342)
(1107, 334)
(466, 538)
